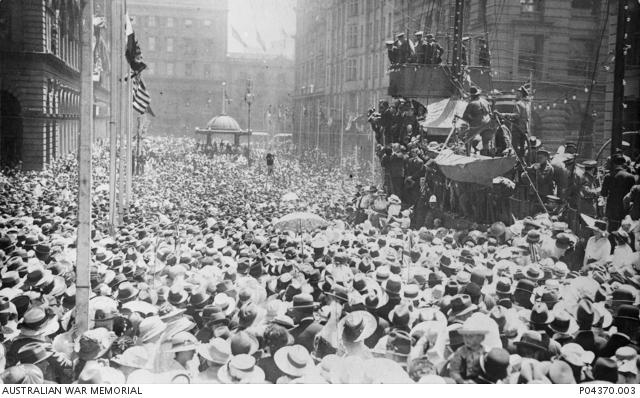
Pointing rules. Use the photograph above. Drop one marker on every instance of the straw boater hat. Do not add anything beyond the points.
(94, 343)
(183, 341)
(294, 361)
(217, 351)
(133, 357)
(357, 326)
(36, 322)
(241, 369)
(475, 324)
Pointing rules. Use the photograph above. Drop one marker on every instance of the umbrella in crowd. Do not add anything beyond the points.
(212, 279)
(300, 222)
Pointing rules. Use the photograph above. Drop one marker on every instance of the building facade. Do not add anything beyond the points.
(40, 81)
(631, 101)
(341, 57)
(185, 46)
(272, 83)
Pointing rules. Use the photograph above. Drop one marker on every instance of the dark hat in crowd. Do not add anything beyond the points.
(495, 364)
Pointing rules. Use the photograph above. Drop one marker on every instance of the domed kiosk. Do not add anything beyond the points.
(223, 125)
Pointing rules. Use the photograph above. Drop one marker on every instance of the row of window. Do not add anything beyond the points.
(188, 69)
(62, 36)
(170, 22)
(187, 46)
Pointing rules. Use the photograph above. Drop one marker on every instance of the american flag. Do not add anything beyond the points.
(141, 98)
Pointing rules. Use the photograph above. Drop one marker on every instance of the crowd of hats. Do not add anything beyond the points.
(197, 285)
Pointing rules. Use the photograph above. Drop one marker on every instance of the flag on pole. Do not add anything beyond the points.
(141, 98)
(260, 41)
(133, 52)
(237, 36)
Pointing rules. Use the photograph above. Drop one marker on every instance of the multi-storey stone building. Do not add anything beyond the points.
(40, 81)
(341, 58)
(184, 44)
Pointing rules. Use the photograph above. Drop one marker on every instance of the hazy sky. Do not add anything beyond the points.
(268, 17)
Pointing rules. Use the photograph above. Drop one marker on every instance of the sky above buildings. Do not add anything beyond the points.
(271, 22)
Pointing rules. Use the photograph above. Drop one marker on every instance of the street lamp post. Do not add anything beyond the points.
(249, 99)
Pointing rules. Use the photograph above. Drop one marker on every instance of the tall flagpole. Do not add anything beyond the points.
(83, 244)
(122, 132)
(341, 129)
(318, 125)
(114, 125)
(129, 139)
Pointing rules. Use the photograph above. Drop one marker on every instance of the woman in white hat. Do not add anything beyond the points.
(216, 354)
(183, 346)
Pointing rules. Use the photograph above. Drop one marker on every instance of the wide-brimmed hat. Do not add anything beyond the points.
(183, 341)
(393, 199)
(36, 322)
(243, 343)
(213, 314)
(33, 353)
(303, 301)
(538, 315)
(563, 323)
(460, 305)
(575, 355)
(393, 285)
(357, 326)
(150, 327)
(94, 343)
(226, 303)
(177, 296)
(241, 369)
(133, 357)
(475, 324)
(495, 363)
(126, 292)
(294, 360)
(217, 351)
(532, 339)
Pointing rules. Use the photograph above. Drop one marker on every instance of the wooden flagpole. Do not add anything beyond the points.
(129, 129)
(83, 255)
(114, 121)
(124, 69)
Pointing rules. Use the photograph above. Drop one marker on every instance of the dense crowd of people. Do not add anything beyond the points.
(202, 283)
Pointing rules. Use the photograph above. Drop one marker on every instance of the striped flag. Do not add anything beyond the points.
(141, 98)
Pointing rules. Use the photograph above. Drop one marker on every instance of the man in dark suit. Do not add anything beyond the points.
(420, 46)
(434, 51)
(405, 52)
(392, 52)
(616, 185)
(520, 118)
(392, 287)
(302, 314)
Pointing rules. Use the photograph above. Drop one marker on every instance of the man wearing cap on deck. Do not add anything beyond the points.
(405, 52)
(420, 46)
(433, 55)
(520, 120)
(392, 52)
